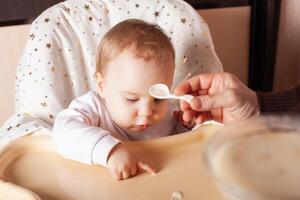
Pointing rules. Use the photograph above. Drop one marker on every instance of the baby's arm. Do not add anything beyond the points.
(77, 135)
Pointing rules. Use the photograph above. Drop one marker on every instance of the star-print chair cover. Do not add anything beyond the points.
(60, 56)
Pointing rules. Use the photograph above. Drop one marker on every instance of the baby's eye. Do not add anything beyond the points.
(132, 99)
(158, 100)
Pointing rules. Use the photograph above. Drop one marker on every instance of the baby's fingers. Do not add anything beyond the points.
(147, 167)
(125, 174)
(117, 175)
(133, 170)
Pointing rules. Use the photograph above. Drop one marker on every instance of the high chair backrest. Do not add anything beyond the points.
(60, 56)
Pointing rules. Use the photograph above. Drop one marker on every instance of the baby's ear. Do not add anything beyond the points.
(100, 83)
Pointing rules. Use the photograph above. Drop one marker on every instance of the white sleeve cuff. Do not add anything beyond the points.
(102, 148)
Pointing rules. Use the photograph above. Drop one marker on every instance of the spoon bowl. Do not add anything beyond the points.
(161, 91)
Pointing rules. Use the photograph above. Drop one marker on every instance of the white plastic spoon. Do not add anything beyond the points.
(161, 91)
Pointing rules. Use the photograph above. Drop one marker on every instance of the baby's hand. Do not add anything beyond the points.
(122, 164)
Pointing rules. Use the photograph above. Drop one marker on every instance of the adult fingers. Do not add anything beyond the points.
(194, 84)
(202, 117)
(208, 102)
(184, 106)
(188, 115)
(178, 115)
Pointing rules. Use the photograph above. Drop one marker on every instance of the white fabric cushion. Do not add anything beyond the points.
(60, 56)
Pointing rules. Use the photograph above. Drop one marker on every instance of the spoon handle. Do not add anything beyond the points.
(188, 98)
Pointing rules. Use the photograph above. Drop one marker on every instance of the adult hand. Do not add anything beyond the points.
(221, 97)
(122, 164)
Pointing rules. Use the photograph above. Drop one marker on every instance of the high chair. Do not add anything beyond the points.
(58, 64)
(60, 56)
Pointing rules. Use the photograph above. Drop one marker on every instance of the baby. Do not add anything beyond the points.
(133, 56)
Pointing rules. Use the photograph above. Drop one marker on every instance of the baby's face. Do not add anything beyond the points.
(125, 86)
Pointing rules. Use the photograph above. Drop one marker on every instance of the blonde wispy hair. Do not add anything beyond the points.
(144, 40)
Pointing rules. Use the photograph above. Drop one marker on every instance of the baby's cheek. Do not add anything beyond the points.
(126, 115)
(161, 111)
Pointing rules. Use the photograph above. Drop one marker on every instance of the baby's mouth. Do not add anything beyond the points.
(141, 127)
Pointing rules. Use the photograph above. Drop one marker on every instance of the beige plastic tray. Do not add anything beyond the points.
(33, 164)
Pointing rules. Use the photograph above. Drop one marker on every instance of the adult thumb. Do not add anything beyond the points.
(208, 102)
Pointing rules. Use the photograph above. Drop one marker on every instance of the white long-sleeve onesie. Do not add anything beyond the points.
(85, 132)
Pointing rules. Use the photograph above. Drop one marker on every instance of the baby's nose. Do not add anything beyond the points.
(145, 110)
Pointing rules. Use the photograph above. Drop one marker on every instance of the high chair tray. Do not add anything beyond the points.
(33, 164)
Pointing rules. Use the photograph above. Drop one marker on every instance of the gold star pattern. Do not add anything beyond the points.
(67, 9)
(48, 45)
(44, 104)
(87, 7)
(156, 14)
(51, 116)
(46, 20)
(32, 36)
(183, 20)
